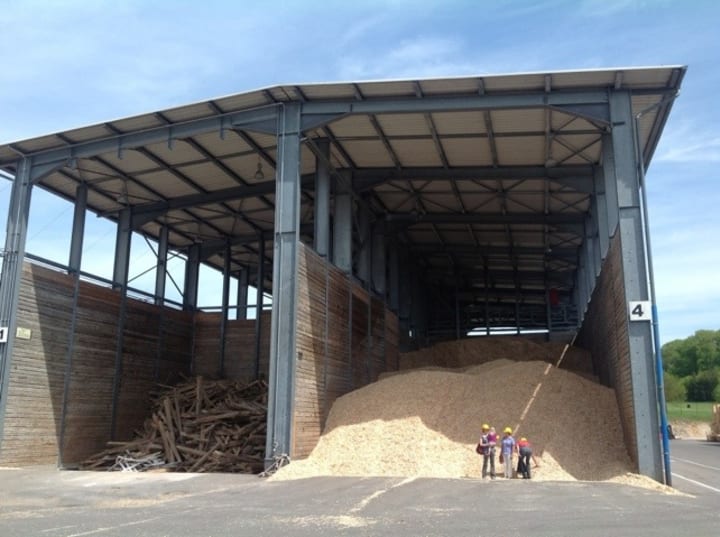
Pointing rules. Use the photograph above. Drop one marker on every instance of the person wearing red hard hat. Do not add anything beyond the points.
(524, 455)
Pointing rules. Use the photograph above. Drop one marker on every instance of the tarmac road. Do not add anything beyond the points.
(695, 467)
(50, 503)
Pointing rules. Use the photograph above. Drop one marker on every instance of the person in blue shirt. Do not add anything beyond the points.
(507, 448)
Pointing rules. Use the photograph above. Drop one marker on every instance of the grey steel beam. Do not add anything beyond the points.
(192, 276)
(242, 292)
(78, 229)
(364, 252)
(564, 252)
(635, 266)
(161, 269)
(166, 133)
(227, 264)
(12, 260)
(322, 200)
(486, 218)
(610, 184)
(123, 239)
(259, 301)
(342, 227)
(457, 103)
(379, 259)
(599, 205)
(394, 276)
(284, 308)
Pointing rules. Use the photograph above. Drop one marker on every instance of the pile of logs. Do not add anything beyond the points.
(198, 426)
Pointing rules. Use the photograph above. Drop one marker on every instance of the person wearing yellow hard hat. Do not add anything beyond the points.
(506, 451)
(486, 448)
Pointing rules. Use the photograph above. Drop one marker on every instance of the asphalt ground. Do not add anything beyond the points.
(51, 503)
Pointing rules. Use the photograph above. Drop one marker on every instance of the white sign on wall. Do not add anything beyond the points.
(3, 334)
(640, 310)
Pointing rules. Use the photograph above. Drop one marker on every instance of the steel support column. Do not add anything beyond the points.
(634, 263)
(259, 301)
(78, 229)
(192, 276)
(242, 293)
(322, 200)
(227, 262)
(601, 210)
(342, 226)
(364, 254)
(394, 276)
(15, 237)
(283, 331)
(161, 269)
(379, 259)
(123, 239)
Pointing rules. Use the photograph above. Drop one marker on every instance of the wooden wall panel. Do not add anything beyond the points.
(340, 344)
(605, 334)
(156, 347)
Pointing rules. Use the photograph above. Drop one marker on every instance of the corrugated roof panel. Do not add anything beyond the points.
(242, 101)
(247, 167)
(442, 203)
(470, 122)
(186, 113)
(323, 92)
(167, 185)
(416, 153)
(353, 126)
(450, 86)
(468, 152)
(504, 121)
(129, 161)
(483, 203)
(307, 162)
(137, 123)
(397, 201)
(230, 144)
(582, 79)
(587, 147)
(175, 152)
(100, 203)
(368, 153)
(647, 77)
(209, 176)
(37, 144)
(527, 82)
(521, 150)
(403, 124)
(88, 133)
(387, 89)
(523, 202)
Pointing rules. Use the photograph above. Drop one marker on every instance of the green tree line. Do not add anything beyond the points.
(692, 367)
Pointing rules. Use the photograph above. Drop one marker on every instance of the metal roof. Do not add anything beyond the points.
(489, 190)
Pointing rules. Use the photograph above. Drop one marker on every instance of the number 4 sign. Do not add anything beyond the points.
(640, 310)
(3, 334)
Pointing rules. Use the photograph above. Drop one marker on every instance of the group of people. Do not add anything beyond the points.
(508, 446)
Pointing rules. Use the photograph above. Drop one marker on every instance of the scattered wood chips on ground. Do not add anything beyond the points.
(198, 426)
(425, 422)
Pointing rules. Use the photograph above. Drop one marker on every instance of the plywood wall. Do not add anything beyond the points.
(239, 360)
(605, 334)
(345, 339)
(63, 381)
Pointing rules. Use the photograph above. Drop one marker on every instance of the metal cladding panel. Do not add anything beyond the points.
(176, 152)
(186, 113)
(242, 101)
(509, 121)
(583, 79)
(167, 185)
(644, 78)
(527, 82)
(136, 123)
(468, 152)
(129, 162)
(329, 91)
(229, 144)
(387, 89)
(521, 150)
(88, 133)
(447, 123)
(353, 126)
(368, 153)
(404, 125)
(450, 86)
(416, 152)
(209, 176)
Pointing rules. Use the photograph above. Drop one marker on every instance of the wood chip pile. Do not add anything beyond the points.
(426, 422)
(198, 426)
(714, 434)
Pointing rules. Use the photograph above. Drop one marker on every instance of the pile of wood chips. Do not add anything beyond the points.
(425, 422)
(198, 426)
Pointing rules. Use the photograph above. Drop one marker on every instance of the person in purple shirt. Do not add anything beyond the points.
(506, 451)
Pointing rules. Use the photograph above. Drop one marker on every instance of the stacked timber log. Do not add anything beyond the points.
(198, 426)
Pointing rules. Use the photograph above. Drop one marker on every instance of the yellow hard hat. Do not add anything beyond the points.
(485, 426)
(523, 439)
(507, 430)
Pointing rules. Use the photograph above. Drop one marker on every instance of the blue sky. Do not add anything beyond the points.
(70, 63)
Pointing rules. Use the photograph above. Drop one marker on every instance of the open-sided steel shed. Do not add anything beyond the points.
(472, 204)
